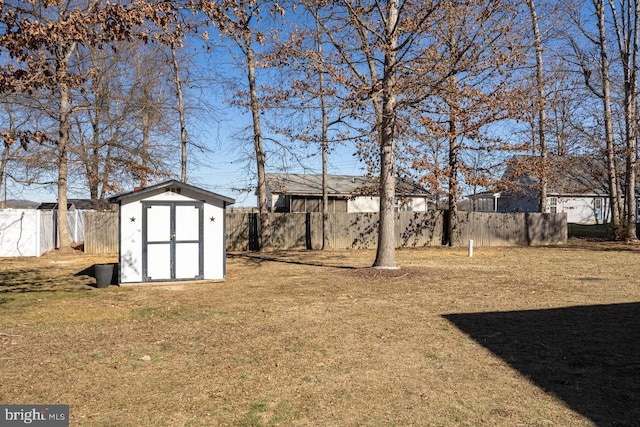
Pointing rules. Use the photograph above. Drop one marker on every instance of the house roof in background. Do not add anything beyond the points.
(20, 204)
(78, 204)
(566, 175)
(338, 185)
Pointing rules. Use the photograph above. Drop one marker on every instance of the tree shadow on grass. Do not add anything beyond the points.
(24, 280)
(587, 356)
(601, 245)
(258, 258)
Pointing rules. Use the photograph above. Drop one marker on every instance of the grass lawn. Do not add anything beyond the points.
(509, 337)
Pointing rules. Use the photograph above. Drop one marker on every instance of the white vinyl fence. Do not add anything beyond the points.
(32, 232)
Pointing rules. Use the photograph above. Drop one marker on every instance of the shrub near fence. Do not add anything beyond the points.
(360, 230)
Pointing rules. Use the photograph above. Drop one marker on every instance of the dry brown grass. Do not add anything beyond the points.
(512, 336)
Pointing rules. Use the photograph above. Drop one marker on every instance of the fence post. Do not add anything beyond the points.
(254, 240)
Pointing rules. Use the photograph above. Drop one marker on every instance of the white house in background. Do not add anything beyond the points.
(171, 231)
(303, 193)
(577, 186)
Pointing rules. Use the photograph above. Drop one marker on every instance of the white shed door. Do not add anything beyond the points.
(172, 249)
(187, 241)
(158, 253)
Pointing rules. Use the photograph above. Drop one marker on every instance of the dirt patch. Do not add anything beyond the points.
(369, 273)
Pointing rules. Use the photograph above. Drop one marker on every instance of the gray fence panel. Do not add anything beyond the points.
(360, 230)
(512, 229)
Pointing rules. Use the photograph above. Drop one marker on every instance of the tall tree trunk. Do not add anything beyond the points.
(612, 173)
(454, 167)
(104, 178)
(627, 35)
(324, 141)
(631, 116)
(94, 175)
(542, 115)
(385, 253)
(146, 130)
(454, 142)
(63, 155)
(93, 166)
(265, 229)
(183, 122)
(4, 160)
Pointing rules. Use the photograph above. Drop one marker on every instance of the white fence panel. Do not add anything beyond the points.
(19, 232)
(75, 219)
(32, 232)
(47, 231)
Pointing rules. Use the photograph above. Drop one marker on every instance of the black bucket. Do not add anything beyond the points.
(104, 275)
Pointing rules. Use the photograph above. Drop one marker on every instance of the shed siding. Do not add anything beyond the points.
(214, 240)
(131, 242)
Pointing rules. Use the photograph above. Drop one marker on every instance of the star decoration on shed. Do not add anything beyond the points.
(212, 219)
(132, 219)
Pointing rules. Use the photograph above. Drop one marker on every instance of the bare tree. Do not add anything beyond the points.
(94, 124)
(324, 136)
(181, 112)
(603, 91)
(472, 83)
(42, 37)
(540, 104)
(626, 26)
(237, 22)
(122, 117)
(22, 149)
(377, 42)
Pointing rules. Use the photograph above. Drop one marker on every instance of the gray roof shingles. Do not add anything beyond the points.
(338, 185)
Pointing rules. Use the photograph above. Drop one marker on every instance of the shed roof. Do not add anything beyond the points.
(338, 185)
(168, 185)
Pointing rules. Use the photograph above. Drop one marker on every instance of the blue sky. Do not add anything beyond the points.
(225, 166)
(222, 169)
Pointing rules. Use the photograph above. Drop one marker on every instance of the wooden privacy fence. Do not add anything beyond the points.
(346, 230)
(413, 229)
(512, 229)
(101, 232)
(360, 230)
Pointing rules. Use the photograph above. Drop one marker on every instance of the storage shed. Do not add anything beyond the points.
(170, 232)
